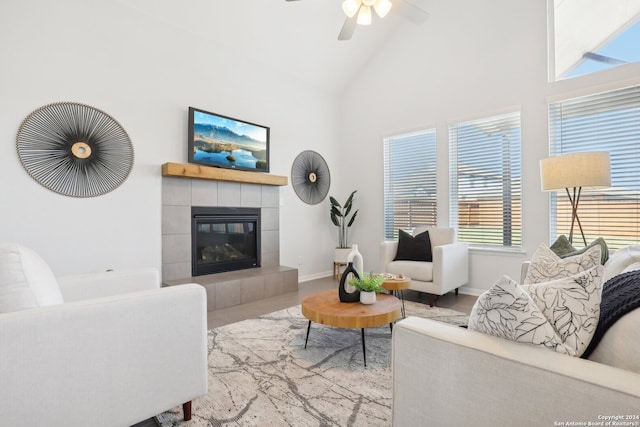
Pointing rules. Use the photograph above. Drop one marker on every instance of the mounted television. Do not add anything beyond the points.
(225, 142)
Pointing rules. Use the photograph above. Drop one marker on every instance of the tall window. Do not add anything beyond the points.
(485, 174)
(592, 36)
(608, 121)
(409, 181)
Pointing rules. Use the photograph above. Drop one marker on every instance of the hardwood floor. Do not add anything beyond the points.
(218, 318)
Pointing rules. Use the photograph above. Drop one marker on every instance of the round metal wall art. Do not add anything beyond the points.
(74, 149)
(310, 177)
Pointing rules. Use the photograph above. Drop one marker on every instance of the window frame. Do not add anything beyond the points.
(511, 225)
(391, 224)
(600, 50)
(607, 101)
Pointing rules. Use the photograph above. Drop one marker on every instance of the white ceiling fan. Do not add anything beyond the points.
(359, 13)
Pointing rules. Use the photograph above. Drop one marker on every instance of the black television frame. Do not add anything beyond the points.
(191, 141)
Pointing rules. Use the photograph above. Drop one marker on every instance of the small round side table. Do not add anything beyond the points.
(398, 284)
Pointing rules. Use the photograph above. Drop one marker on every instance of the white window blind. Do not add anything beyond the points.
(607, 121)
(409, 182)
(485, 174)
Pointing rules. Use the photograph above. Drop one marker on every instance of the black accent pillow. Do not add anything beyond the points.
(414, 248)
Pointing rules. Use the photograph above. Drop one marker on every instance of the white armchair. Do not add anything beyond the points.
(448, 271)
(117, 351)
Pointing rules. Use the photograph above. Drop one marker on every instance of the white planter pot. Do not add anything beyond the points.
(367, 297)
(341, 254)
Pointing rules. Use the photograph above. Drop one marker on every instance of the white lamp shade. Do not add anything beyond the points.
(586, 170)
(350, 7)
(364, 16)
(382, 7)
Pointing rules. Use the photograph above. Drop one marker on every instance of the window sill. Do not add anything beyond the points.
(497, 250)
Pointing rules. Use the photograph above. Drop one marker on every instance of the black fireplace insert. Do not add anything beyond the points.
(224, 239)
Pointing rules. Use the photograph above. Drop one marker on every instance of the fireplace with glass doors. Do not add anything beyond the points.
(224, 239)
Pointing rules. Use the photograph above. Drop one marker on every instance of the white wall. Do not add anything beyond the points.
(145, 70)
(141, 62)
(470, 59)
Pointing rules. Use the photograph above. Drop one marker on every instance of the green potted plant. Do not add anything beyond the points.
(341, 219)
(368, 285)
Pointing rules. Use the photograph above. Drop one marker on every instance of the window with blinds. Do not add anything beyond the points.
(409, 182)
(607, 121)
(485, 174)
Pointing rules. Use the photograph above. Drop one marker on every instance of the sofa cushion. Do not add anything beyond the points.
(413, 248)
(631, 267)
(546, 265)
(560, 315)
(621, 259)
(620, 345)
(416, 270)
(26, 281)
(616, 338)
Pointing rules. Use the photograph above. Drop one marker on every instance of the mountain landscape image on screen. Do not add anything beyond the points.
(219, 145)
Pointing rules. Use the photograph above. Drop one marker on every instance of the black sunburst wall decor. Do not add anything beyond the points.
(310, 177)
(74, 149)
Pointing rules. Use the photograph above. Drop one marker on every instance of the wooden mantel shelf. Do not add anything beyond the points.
(190, 170)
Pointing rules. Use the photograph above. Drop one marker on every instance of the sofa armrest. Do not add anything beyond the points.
(451, 265)
(470, 378)
(114, 361)
(107, 283)
(388, 251)
(523, 270)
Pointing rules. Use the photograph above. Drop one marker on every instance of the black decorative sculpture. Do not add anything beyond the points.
(342, 292)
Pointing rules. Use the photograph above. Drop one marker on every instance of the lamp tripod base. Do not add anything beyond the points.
(574, 213)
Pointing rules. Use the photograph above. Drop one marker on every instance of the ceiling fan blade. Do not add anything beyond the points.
(348, 28)
(604, 59)
(411, 11)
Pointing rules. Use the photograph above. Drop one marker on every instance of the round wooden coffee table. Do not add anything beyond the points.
(396, 285)
(325, 308)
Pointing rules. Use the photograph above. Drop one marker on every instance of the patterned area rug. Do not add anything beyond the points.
(260, 374)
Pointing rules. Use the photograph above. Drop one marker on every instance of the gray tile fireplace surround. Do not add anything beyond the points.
(234, 287)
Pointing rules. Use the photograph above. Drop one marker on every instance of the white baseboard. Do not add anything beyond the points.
(476, 292)
(315, 276)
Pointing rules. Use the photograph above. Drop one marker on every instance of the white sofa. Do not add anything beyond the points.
(448, 271)
(449, 376)
(119, 350)
(445, 375)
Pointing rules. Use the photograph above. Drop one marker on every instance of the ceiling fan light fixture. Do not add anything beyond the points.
(350, 7)
(382, 7)
(364, 15)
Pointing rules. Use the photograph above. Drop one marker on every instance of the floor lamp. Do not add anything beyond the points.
(573, 172)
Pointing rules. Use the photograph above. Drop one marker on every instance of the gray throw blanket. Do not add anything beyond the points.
(620, 295)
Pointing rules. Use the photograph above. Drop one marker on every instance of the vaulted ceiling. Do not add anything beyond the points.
(297, 38)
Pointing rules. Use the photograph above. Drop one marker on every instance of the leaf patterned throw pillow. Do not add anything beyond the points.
(572, 306)
(546, 265)
(507, 311)
(561, 315)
